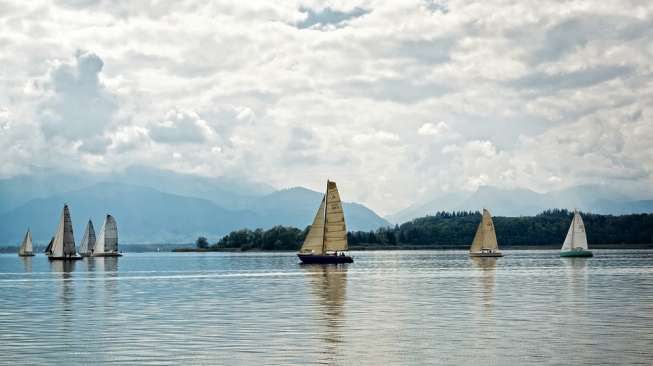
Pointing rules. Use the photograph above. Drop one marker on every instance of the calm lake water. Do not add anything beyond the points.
(408, 307)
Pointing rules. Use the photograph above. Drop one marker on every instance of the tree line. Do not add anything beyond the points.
(457, 229)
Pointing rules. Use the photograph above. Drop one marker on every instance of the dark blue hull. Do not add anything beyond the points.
(324, 259)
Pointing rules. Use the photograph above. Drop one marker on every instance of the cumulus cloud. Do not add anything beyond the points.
(76, 105)
(181, 127)
(430, 129)
(534, 95)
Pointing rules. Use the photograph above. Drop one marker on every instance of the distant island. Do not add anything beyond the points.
(455, 230)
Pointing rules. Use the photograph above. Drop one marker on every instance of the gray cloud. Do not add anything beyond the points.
(77, 105)
(239, 88)
(577, 32)
(550, 83)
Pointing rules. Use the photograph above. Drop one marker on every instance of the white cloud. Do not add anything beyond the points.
(429, 129)
(376, 137)
(534, 95)
(181, 127)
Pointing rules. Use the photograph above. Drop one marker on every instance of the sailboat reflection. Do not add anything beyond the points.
(27, 264)
(66, 292)
(576, 269)
(328, 283)
(488, 269)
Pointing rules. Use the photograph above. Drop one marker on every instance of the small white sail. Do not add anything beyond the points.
(88, 241)
(335, 231)
(576, 237)
(485, 237)
(314, 241)
(26, 245)
(64, 241)
(108, 239)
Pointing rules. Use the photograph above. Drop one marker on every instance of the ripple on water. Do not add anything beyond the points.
(425, 307)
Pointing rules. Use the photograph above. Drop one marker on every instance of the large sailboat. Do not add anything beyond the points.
(63, 244)
(107, 243)
(328, 234)
(575, 244)
(26, 249)
(87, 245)
(485, 240)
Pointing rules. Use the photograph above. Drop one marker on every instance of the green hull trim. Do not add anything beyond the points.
(576, 253)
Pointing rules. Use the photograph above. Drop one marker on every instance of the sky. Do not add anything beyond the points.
(397, 101)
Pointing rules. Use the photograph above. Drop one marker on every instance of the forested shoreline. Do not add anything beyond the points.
(456, 230)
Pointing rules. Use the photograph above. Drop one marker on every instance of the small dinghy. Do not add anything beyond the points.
(575, 244)
(26, 249)
(485, 240)
(326, 240)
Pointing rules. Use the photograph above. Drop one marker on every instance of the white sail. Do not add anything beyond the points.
(576, 237)
(107, 242)
(314, 241)
(485, 237)
(87, 245)
(335, 231)
(26, 245)
(64, 241)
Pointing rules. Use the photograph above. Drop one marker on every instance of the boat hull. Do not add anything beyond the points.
(26, 255)
(486, 255)
(324, 259)
(107, 255)
(576, 253)
(75, 258)
(83, 255)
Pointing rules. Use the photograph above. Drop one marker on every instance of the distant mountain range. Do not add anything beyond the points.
(524, 202)
(158, 206)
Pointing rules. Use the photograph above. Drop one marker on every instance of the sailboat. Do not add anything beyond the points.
(107, 243)
(26, 249)
(88, 241)
(63, 244)
(485, 240)
(575, 244)
(328, 233)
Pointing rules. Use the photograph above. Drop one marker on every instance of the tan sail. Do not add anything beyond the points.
(328, 233)
(485, 237)
(335, 232)
(314, 241)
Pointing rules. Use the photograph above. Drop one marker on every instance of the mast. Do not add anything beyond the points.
(326, 204)
(573, 225)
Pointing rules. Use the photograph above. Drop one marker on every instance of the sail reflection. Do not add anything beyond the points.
(328, 284)
(27, 264)
(576, 269)
(486, 285)
(66, 291)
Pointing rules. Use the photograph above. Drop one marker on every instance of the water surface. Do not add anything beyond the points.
(399, 307)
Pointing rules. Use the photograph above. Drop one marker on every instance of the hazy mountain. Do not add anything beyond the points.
(297, 207)
(226, 192)
(146, 215)
(20, 189)
(518, 202)
(420, 209)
